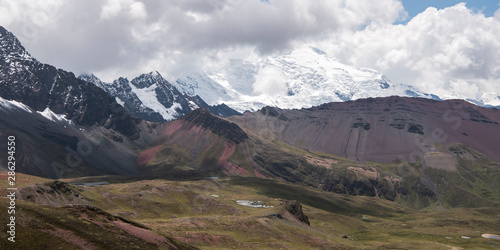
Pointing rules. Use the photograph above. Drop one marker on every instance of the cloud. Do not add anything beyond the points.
(439, 51)
(110, 9)
(270, 81)
(104, 37)
(464, 88)
(138, 10)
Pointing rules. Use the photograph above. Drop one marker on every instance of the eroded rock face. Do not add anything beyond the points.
(54, 193)
(202, 117)
(295, 208)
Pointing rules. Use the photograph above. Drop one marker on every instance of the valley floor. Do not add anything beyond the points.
(205, 214)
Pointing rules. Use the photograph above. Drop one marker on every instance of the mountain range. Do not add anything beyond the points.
(152, 98)
(57, 114)
(168, 165)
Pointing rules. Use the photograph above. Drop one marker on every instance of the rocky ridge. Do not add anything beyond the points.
(152, 98)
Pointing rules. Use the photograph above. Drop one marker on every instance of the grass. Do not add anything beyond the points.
(36, 224)
(204, 213)
(21, 179)
(186, 211)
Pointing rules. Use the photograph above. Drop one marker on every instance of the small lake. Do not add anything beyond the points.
(252, 203)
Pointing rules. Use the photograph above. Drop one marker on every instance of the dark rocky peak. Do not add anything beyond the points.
(275, 112)
(11, 48)
(221, 110)
(122, 81)
(91, 78)
(202, 117)
(122, 84)
(270, 111)
(146, 80)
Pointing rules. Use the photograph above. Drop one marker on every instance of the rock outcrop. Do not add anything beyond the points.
(295, 208)
(218, 126)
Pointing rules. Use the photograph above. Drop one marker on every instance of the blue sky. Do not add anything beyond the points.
(414, 7)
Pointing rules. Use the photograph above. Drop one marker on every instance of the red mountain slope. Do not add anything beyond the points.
(381, 129)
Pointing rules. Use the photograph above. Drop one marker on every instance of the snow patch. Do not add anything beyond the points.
(149, 99)
(11, 105)
(207, 87)
(119, 101)
(49, 114)
(193, 105)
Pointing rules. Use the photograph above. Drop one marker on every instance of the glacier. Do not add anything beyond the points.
(301, 78)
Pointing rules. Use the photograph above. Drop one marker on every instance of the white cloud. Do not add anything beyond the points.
(138, 11)
(270, 81)
(111, 9)
(443, 50)
(114, 8)
(464, 88)
(8, 13)
(95, 36)
(435, 51)
(27, 18)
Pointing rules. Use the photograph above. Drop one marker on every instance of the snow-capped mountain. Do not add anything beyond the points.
(202, 85)
(122, 91)
(302, 78)
(153, 98)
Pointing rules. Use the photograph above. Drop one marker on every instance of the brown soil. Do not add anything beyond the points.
(371, 173)
(439, 160)
(144, 234)
(146, 156)
(70, 237)
(323, 162)
(228, 167)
